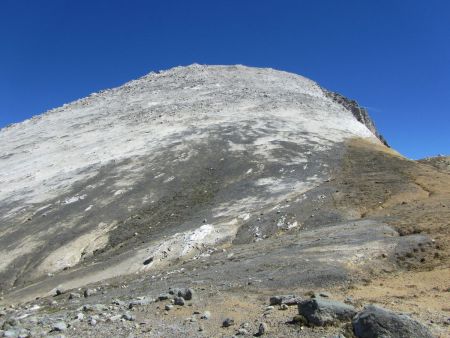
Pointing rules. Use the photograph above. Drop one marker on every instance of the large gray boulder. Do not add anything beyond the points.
(374, 322)
(321, 312)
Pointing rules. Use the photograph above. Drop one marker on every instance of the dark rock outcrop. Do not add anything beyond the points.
(358, 112)
(375, 322)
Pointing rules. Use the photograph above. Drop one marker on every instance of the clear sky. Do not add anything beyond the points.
(392, 56)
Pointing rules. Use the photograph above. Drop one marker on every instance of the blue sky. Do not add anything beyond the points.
(392, 56)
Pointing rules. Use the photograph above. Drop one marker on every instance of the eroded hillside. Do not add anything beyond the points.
(237, 183)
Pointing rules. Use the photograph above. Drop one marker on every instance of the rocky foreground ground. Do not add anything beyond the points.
(226, 293)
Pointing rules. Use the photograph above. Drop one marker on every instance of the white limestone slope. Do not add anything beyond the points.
(42, 158)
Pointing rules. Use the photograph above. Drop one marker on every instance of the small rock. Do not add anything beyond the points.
(374, 321)
(129, 317)
(92, 321)
(59, 291)
(79, 316)
(114, 318)
(138, 302)
(89, 292)
(299, 319)
(10, 333)
(179, 301)
(168, 307)
(282, 299)
(321, 294)
(242, 332)
(206, 315)
(187, 293)
(164, 296)
(284, 307)
(74, 295)
(320, 312)
(263, 328)
(88, 308)
(59, 327)
(228, 322)
(118, 302)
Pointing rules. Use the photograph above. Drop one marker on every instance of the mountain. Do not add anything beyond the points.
(226, 179)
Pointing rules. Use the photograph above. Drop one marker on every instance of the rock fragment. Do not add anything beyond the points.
(179, 301)
(228, 322)
(164, 296)
(60, 290)
(59, 326)
(284, 299)
(242, 332)
(74, 295)
(206, 315)
(129, 317)
(262, 329)
(89, 292)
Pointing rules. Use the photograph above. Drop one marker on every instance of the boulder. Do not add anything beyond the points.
(321, 312)
(375, 321)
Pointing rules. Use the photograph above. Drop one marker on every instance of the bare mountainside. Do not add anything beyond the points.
(235, 182)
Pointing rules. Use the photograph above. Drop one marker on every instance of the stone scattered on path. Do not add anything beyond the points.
(284, 299)
(59, 291)
(89, 292)
(59, 327)
(179, 301)
(206, 315)
(228, 322)
(74, 295)
(262, 329)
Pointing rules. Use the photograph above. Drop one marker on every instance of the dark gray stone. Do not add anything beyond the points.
(179, 301)
(74, 295)
(228, 322)
(263, 328)
(375, 322)
(60, 290)
(129, 317)
(321, 312)
(89, 292)
(186, 293)
(164, 296)
(281, 299)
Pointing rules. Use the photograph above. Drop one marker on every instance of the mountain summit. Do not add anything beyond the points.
(226, 176)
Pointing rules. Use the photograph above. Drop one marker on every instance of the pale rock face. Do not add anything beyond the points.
(196, 142)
